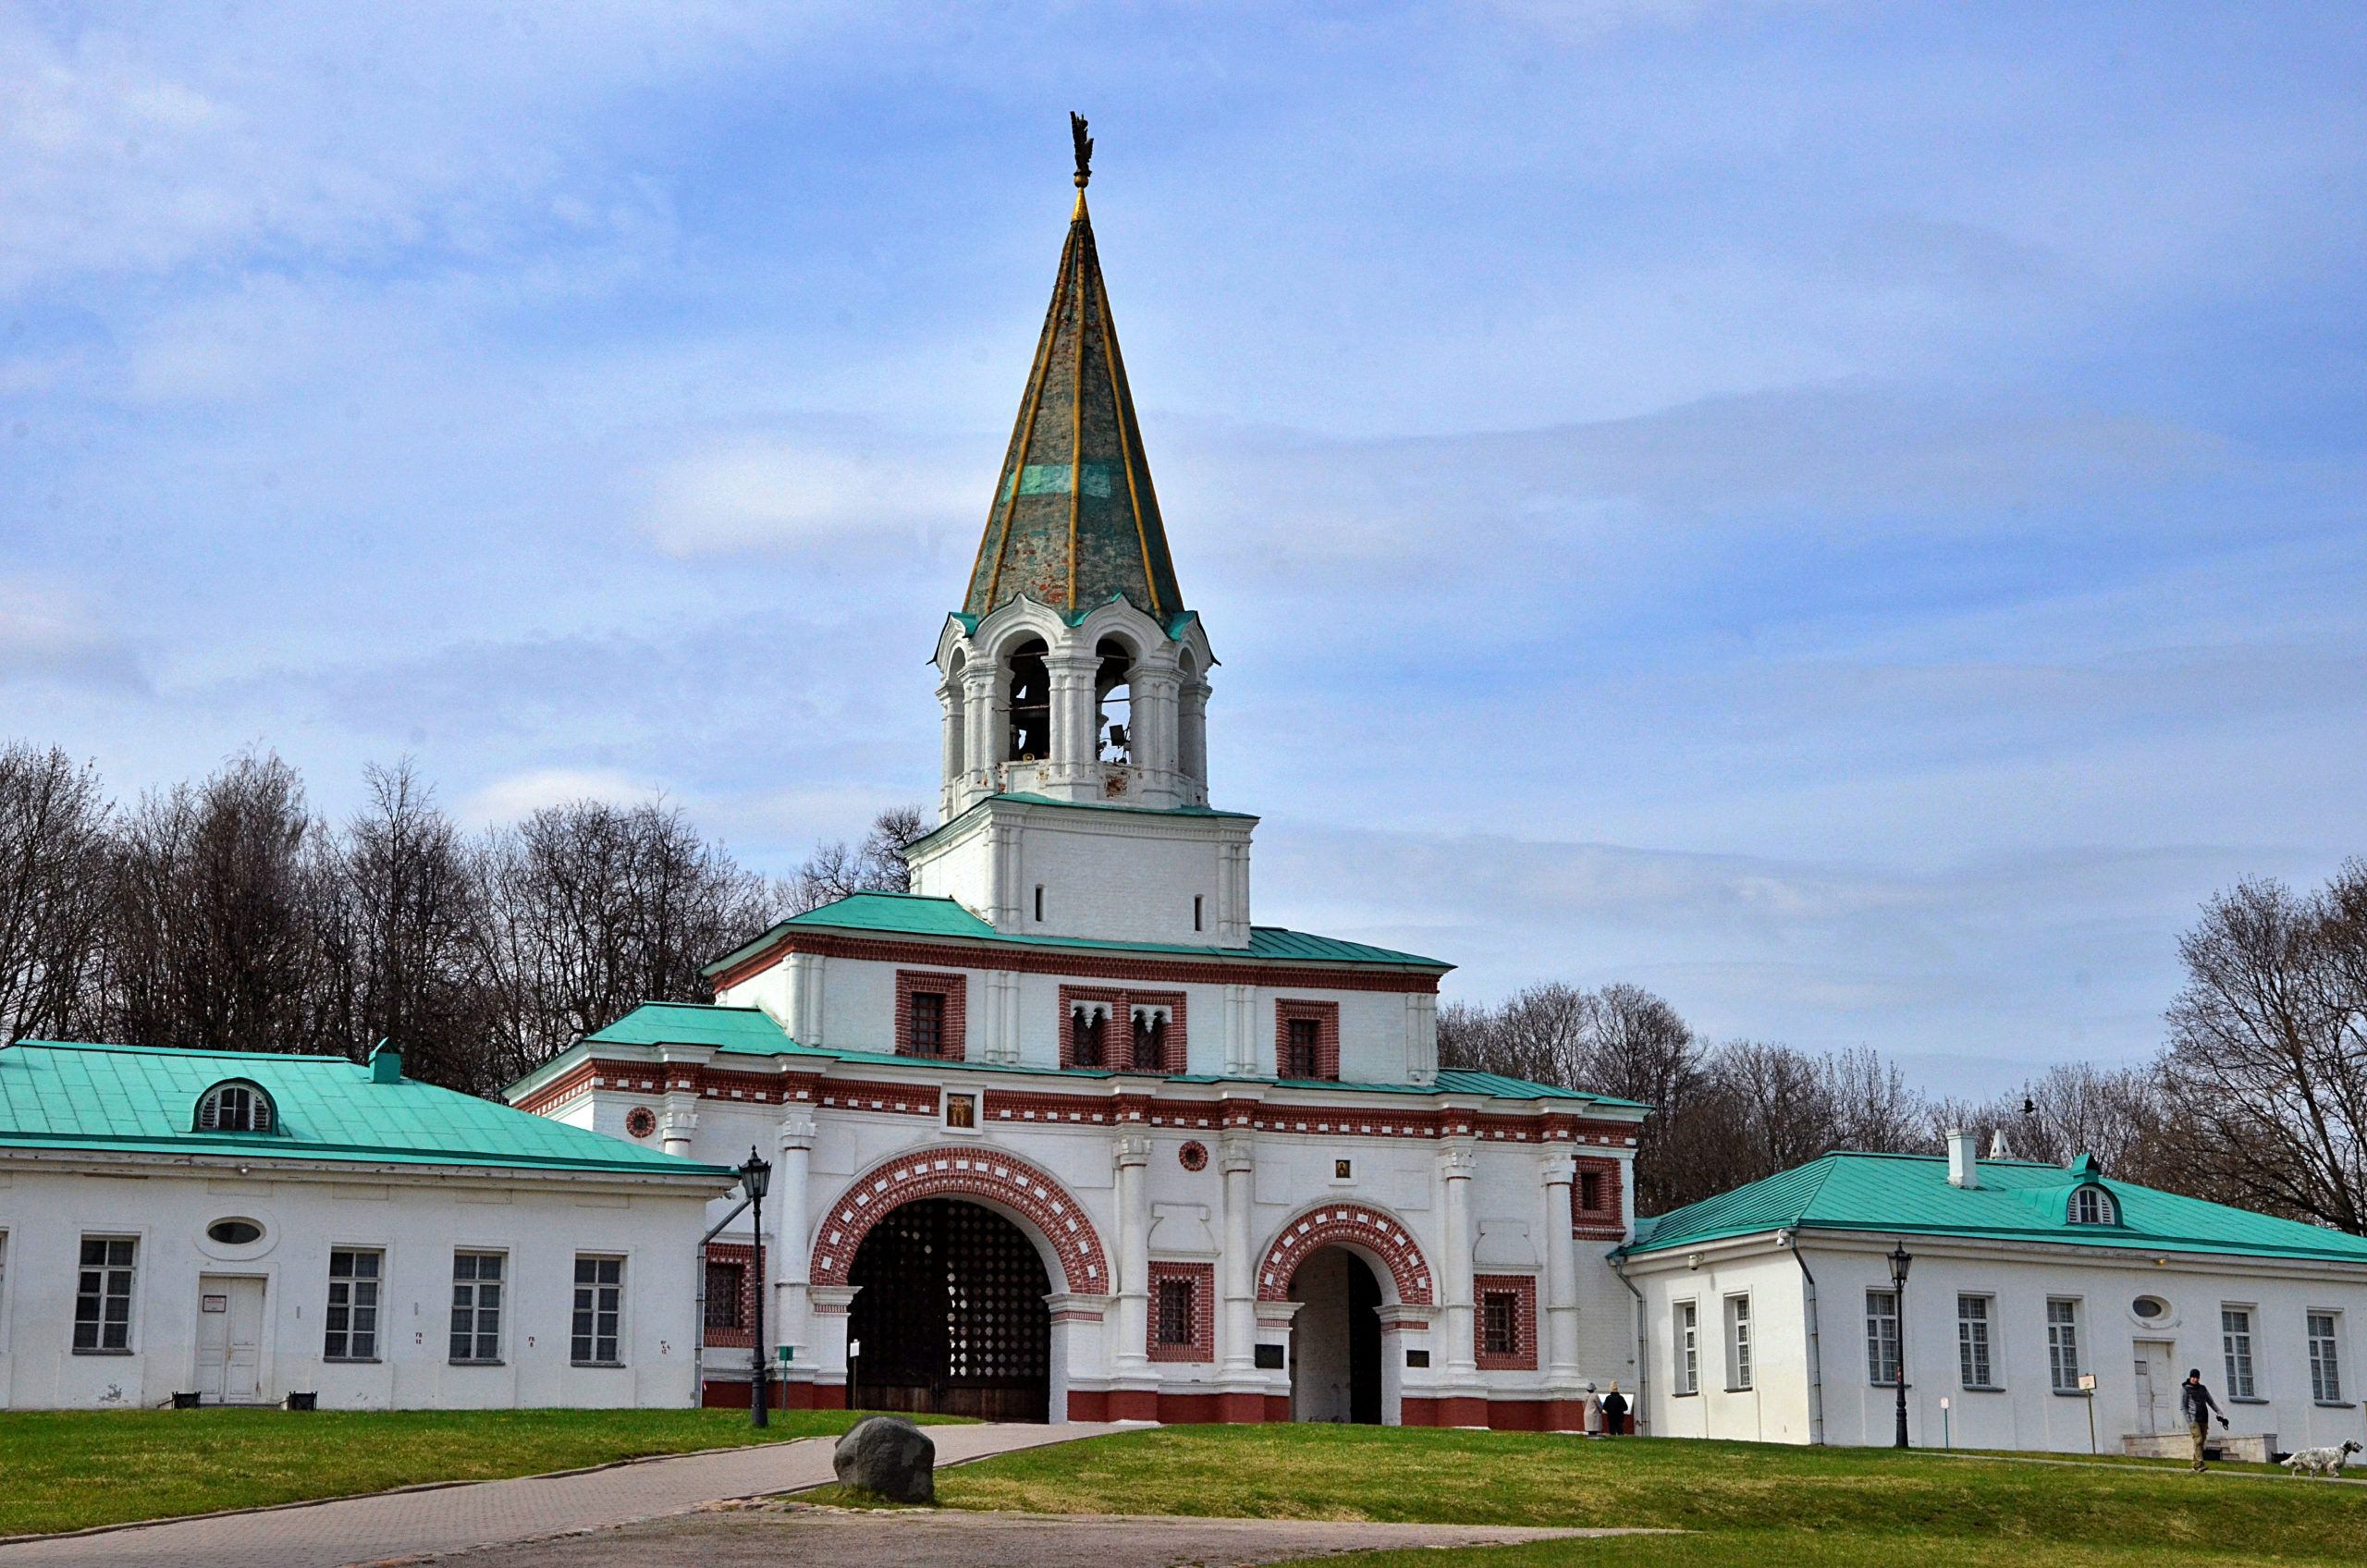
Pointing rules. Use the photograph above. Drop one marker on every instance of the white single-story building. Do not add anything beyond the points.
(2037, 1298)
(244, 1227)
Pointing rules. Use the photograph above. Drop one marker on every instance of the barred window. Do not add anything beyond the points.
(725, 1281)
(1590, 1190)
(1175, 1312)
(352, 1330)
(476, 1306)
(928, 1023)
(1302, 1049)
(599, 1305)
(1500, 1323)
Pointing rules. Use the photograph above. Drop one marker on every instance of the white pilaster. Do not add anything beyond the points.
(1456, 1162)
(792, 1190)
(1560, 1271)
(1241, 1053)
(1237, 1331)
(1132, 1155)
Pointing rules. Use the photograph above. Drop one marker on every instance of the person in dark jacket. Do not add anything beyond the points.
(1615, 1413)
(2195, 1401)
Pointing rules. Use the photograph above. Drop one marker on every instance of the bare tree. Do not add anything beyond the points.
(589, 909)
(2267, 1055)
(54, 827)
(876, 866)
(216, 913)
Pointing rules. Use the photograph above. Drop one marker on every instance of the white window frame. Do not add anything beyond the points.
(474, 1305)
(2325, 1353)
(2105, 1207)
(579, 1308)
(2063, 1365)
(356, 1286)
(1739, 1348)
(1883, 1346)
(2240, 1348)
(1685, 1329)
(1977, 1342)
(130, 1345)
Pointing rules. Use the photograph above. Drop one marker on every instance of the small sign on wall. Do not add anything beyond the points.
(1269, 1358)
(214, 1304)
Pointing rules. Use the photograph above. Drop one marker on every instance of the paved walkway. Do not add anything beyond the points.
(768, 1537)
(400, 1525)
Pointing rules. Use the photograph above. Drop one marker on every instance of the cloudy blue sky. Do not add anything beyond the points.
(1846, 514)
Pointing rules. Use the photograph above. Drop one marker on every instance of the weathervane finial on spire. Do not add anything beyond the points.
(1083, 148)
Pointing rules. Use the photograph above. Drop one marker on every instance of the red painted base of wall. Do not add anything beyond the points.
(1498, 1415)
(721, 1394)
(1178, 1410)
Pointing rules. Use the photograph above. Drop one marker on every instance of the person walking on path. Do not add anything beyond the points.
(1615, 1413)
(2199, 1407)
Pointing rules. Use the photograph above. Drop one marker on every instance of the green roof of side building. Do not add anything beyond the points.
(129, 1099)
(751, 1031)
(914, 915)
(2016, 1201)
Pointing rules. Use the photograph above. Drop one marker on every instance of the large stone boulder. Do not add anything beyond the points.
(888, 1457)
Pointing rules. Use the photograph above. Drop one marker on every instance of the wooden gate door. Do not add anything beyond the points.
(951, 1316)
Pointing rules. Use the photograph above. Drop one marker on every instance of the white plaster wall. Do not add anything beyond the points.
(417, 1219)
(1775, 1407)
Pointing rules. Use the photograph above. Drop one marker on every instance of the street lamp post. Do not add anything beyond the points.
(1899, 1265)
(754, 1177)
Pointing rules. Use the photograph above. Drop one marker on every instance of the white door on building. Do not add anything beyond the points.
(2157, 1388)
(229, 1339)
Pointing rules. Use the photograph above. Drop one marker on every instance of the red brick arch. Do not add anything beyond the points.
(998, 1179)
(1352, 1224)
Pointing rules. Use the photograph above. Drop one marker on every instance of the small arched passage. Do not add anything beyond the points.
(1343, 1263)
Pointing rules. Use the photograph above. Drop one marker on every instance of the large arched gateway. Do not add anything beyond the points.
(950, 1316)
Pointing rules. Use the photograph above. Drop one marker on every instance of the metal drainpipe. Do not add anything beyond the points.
(1643, 1346)
(1816, 1346)
(698, 1323)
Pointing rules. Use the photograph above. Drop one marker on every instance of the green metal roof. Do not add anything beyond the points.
(69, 1095)
(751, 1031)
(2017, 1200)
(913, 914)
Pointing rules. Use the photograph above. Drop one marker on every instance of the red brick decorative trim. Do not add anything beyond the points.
(1325, 1016)
(1604, 1222)
(1352, 1224)
(955, 989)
(1011, 1185)
(903, 1099)
(1521, 1288)
(1117, 1038)
(1202, 1278)
(1137, 968)
(1193, 1155)
(745, 1257)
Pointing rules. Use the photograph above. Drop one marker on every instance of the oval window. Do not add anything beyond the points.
(2150, 1306)
(233, 1232)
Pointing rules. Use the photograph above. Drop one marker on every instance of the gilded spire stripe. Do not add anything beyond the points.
(1081, 226)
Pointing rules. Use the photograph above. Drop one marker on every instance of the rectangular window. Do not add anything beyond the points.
(1175, 1312)
(103, 1295)
(2063, 1345)
(1499, 1323)
(1737, 1343)
(1881, 1336)
(1590, 1191)
(476, 1306)
(1303, 1049)
(1196, 900)
(599, 1305)
(1688, 1349)
(928, 1023)
(2236, 1339)
(352, 1333)
(1972, 1342)
(2325, 1360)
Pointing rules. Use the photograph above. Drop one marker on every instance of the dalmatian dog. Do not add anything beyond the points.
(2320, 1461)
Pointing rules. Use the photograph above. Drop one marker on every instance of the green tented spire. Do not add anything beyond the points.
(1075, 519)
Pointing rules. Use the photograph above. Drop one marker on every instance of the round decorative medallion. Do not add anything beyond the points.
(641, 1122)
(1194, 1156)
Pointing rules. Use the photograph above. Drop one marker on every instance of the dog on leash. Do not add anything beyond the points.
(2320, 1461)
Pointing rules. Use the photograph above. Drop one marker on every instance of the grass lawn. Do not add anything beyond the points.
(1764, 1506)
(70, 1469)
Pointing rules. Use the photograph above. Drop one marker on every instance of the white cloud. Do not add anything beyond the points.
(518, 795)
(764, 495)
(51, 632)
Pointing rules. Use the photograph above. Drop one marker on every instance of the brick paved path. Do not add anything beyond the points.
(404, 1525)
